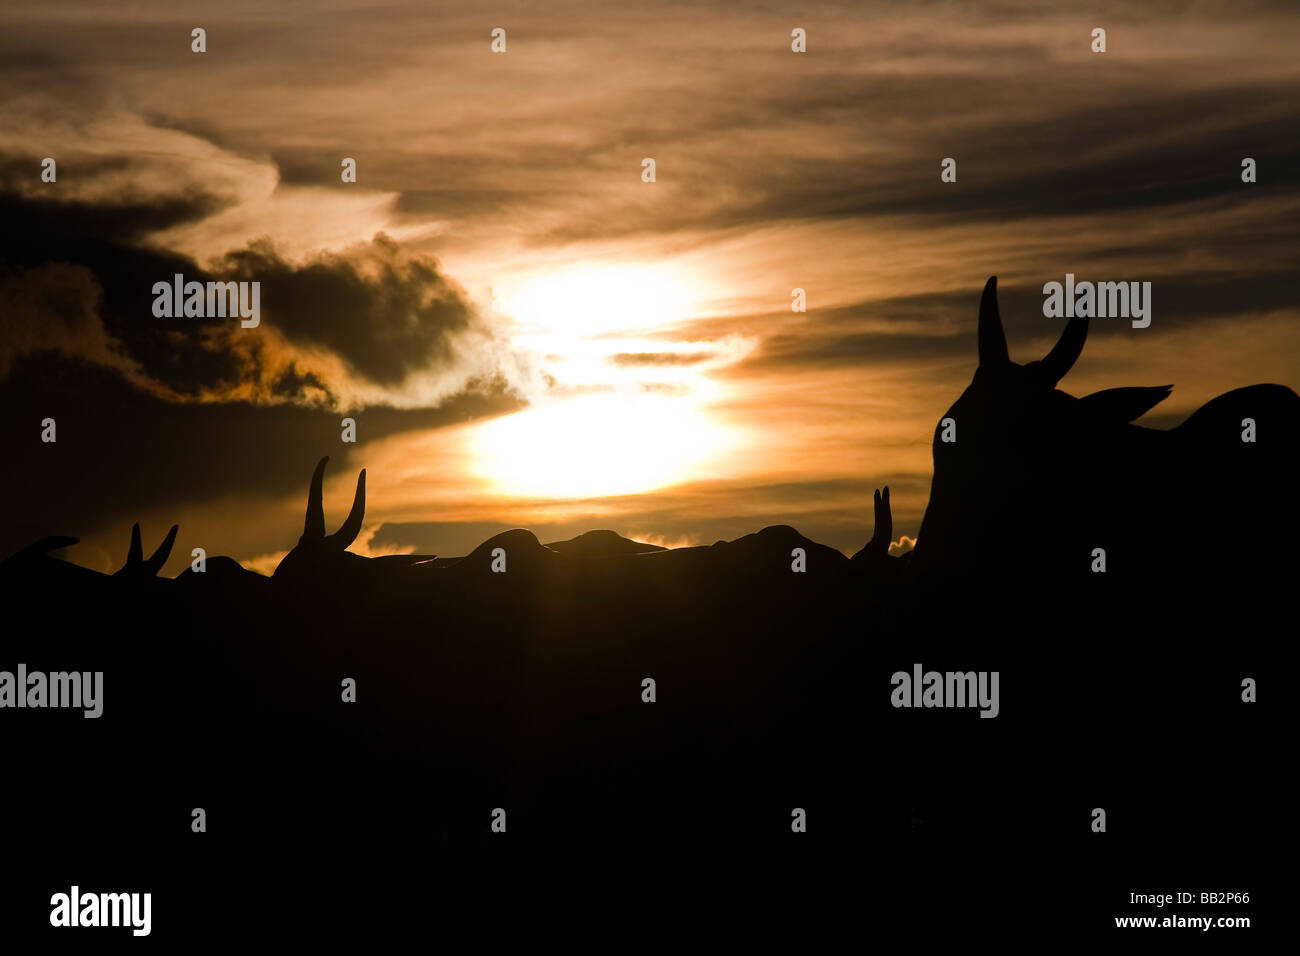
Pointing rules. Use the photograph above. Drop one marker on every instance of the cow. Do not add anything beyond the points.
(320, 559)
(1031, 483)
(317, 551)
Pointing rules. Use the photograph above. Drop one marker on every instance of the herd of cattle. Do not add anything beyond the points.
(1063, 546)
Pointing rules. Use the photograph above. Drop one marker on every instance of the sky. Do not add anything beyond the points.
(528, 334)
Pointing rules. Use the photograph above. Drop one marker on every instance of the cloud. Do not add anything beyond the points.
(903, 545)
(367, 545)
(371, 323)
(265, 563)
(55, 307)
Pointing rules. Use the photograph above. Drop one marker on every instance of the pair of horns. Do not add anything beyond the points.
(136, 566)
(883, 536)
(993, 341)
(877, 549)
(313, 531)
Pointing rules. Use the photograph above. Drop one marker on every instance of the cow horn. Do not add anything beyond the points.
(1065, 352)
(992, 340)
(314, 528)
(135, 553)
(159, 557)
(348, 531)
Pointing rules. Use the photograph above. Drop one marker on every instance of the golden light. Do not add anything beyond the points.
(632, 426)
(597, 300)
(599, 445)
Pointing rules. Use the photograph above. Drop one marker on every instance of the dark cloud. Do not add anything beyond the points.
(383, 313)
(1076, 160)
(744, 131)
(42, 227)
(939, 328)
(98, 239)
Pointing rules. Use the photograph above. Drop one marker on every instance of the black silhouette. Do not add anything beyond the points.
(1036, 479)
(136, 566)
(523, 689)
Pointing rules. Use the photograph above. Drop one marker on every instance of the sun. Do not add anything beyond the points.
(599, 445)
(610, 422)
(599, 301)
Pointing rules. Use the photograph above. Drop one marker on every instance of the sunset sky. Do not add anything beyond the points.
(529, 335)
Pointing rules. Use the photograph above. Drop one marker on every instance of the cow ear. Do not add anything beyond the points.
(1126, 404)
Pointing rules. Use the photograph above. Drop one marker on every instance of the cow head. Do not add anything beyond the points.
(1021, 469)
(318, 553)
(136, 567)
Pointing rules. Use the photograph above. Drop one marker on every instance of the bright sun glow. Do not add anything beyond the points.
(636, 424)
(607, 444)
(600, 300)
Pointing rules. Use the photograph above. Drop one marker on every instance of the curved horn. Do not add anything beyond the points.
(992, 340)
(1066, 351)
(134, 554)
(348, 531)
(314, 527)
(159, 557)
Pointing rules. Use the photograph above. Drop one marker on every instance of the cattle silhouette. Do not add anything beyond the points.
(321, 562)
(1036, 479)
(316, 551)
(136, 566)
(524, 688)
